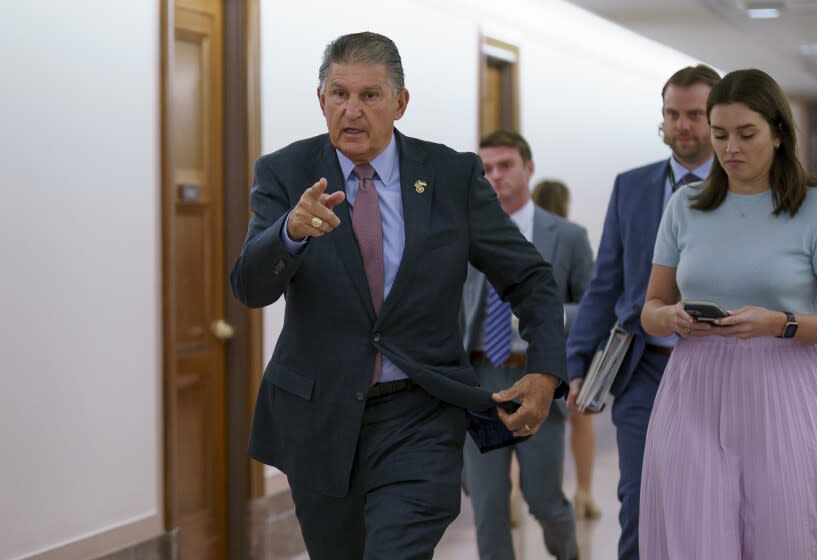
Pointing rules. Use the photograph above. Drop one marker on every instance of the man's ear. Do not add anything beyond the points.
(402, 103)
(529, 167)
(321, 100)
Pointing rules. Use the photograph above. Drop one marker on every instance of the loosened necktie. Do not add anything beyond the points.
(368, 230)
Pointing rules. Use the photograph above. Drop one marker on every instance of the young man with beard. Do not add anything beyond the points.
(617, 291)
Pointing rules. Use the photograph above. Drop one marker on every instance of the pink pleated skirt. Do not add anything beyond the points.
(730, 465)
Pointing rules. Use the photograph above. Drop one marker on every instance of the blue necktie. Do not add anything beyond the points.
(497, 340)
(685, 180)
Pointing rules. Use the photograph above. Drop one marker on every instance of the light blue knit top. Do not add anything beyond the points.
(741, 254)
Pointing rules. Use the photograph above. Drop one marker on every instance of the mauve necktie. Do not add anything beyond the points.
(369, 233)
(497, 341)
(685, 180)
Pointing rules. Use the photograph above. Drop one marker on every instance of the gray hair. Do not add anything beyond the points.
(363, 47)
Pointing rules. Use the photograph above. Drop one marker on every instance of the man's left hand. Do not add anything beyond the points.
(535, 393)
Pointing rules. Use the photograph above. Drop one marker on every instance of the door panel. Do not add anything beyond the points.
(195, 488)
(492, 99)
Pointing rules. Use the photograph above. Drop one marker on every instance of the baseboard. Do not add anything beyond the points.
(144, 536)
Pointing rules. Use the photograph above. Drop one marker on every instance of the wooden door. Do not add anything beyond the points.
(194, 283)
(491, 100)
(499, 88)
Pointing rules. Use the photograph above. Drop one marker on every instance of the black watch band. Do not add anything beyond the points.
(791, 326)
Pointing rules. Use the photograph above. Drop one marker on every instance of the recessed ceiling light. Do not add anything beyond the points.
(763, 13)
(809, 49)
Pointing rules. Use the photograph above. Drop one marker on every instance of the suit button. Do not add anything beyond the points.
(360, 396)
(376, 337)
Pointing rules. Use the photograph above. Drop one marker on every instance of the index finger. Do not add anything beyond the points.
(318, 188)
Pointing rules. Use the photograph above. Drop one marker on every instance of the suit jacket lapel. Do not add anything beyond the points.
(654, 203)
(344, 236)
(416, 213)
(545, 234)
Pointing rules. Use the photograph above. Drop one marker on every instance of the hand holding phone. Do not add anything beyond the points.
(704, 311)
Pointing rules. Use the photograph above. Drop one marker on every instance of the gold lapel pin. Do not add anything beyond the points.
(420, 186)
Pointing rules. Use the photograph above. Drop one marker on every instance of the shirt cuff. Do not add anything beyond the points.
(292, 247)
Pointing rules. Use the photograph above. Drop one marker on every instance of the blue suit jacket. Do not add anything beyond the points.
(623, 265)
(313, 394)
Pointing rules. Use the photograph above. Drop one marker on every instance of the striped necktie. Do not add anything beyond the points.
(497, 341)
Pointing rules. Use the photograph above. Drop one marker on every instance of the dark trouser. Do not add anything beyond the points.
(541, 469)
(405, 487)
(631, 415)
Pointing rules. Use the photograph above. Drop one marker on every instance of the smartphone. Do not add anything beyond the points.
(705, 311)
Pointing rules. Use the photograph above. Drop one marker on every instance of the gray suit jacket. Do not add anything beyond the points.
(564, 245)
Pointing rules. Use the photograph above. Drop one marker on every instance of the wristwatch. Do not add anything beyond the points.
(791, 326)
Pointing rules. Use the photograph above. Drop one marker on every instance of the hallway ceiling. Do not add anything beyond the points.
(720, 33)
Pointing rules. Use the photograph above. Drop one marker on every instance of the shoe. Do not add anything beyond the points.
(584, 506)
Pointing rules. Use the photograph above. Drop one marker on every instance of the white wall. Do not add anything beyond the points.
(590, 90)
(79, 288)
(79, 218)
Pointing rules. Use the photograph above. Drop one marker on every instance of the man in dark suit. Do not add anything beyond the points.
(616, 292)
(509, 167)
(368, 234)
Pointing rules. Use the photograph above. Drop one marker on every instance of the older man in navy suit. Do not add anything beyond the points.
(618, 288)
(368, 234)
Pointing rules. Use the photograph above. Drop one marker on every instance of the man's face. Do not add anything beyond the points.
(686, 130)
(508, 175)
(360, 109)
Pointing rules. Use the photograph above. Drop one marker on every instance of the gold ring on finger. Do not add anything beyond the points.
(689, 332)
(316, 222)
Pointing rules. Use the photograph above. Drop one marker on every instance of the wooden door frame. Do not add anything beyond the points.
(507, 56)
(242, 145)
(244, 353)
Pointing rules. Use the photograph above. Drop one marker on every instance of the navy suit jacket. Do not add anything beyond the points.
(313, 393)
(623, 265)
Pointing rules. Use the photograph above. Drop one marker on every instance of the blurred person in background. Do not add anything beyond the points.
(554, 197)
(730, 462)
(616, 292)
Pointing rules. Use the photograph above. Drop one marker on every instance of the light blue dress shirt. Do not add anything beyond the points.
(678, 171)
(387, 183)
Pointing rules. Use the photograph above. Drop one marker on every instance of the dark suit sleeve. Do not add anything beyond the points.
(580, 272)
(596, 313)
(264, 268)
(519, 274)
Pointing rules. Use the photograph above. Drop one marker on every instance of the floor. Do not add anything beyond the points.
(597, 539)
